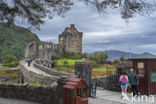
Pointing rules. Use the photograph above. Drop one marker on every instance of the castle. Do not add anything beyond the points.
(69, 41)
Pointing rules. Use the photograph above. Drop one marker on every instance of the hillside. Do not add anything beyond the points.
(16, 39)
(116, 54)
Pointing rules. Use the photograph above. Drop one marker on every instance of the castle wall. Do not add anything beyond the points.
(74, 44)
(47, 50)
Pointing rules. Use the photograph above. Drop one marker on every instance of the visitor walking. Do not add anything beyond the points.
(124, 80)
(134, 81)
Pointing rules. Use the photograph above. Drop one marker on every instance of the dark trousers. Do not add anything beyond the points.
(134, 90)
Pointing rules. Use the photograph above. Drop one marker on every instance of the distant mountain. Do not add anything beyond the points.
(116, 54)
(15, 40)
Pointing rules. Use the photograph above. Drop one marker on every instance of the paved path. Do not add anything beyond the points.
(13, 101)
(103, 97)
(35, 70)
(102, 101)
(110, 97)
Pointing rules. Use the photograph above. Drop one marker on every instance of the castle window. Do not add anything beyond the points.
(73, 43)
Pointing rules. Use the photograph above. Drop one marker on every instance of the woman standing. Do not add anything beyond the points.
(124, 80)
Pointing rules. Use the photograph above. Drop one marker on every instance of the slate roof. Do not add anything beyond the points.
(144, 56)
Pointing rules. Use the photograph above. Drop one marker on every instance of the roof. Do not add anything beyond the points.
(73, 83)
(144, 56)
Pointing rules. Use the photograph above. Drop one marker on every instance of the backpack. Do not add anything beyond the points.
(123, 79)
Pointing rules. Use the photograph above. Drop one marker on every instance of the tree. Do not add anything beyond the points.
(116, 61)
(2, 40)
(9, 59)
(34, 11)
(127, 8)
(101, 56)
(98, 57)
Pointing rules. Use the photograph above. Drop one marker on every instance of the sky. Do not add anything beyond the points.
(104, 32)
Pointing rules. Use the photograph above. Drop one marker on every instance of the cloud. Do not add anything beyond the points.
(147, 46)
(103, 32)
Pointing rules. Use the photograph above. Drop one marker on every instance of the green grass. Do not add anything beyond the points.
(37, 84)
(104, 69)
(10, 65)
(66, 65)
(70, 62)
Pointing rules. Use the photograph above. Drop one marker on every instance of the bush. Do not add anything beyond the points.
(65, 62)
(94, 64)
(54, 63)
(9, 59)
(116, 61)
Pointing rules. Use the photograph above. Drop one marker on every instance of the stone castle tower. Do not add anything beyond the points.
(71, 39)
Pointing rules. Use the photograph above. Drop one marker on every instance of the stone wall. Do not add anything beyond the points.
(84, 70)
(50, 71)
(41, 94)
(44, 62)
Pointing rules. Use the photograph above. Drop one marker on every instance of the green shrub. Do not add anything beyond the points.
(54, 63)
(116, 61)
(9, 59)
(65, 62)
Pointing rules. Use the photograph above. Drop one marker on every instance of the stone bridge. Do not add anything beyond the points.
(40, 71)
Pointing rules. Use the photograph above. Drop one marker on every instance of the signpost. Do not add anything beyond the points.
(153, 76)
(93, 89)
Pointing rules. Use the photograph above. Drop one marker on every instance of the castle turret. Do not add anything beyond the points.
(71, 39)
